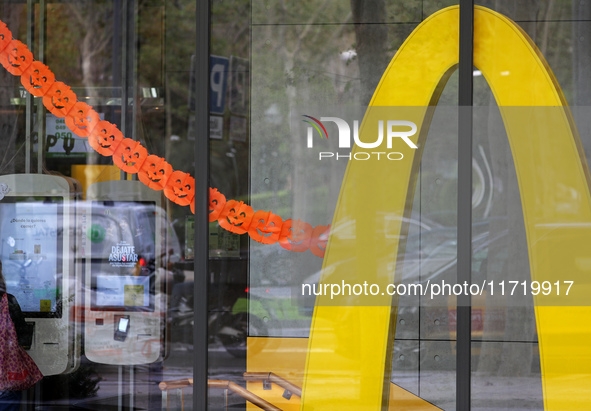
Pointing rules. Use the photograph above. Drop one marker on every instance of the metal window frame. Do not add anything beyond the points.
(464, 225)
(200, 293)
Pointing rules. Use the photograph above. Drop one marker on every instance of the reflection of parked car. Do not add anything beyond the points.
(430, 257)
(438, 315)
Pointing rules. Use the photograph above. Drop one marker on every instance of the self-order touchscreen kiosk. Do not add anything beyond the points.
(37, 228)
(124, 300)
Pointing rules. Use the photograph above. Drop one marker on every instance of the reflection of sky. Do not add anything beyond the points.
(29, 252)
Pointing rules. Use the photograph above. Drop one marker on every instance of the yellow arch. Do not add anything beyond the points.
(348, 346)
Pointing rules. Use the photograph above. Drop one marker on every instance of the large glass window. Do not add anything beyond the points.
(335, 225)
(97, 191)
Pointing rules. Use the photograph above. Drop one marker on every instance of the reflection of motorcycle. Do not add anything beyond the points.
(226, 326)
(231, 329)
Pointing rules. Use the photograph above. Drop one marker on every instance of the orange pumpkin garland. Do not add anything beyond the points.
(82, 119)
(295, 235)
(217, 202)
(180, 188)
(130, 156)
(5, 36)
(155, 172)
(319, 240)
(105, 137)
(59, 99)
(236, 217)
(37, 79)
(16, 57)
(265, 227)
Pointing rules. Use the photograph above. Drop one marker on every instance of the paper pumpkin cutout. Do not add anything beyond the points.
(295, 235)
(155, 172)
(236, 217)
(37, 79)
(319, 240)
(217, 202)
(59, 99)
(5, 36)
(265, 227)
(180, 188)
(16, 57)
(82, 119)
(130, 155)
(105, 138)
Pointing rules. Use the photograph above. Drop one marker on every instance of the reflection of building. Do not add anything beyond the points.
(138, 65)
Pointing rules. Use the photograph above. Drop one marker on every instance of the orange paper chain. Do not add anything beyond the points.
(130, 156)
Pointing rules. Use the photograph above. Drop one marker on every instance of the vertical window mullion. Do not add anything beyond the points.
(464, 243)
(200, 364)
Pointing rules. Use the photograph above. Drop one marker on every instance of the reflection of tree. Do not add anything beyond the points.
(296, 66)
(94, 41)
(79, 43)
(11, 160)
(372, 42)
(294, 59)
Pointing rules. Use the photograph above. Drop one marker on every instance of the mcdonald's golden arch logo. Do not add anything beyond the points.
(352, 336)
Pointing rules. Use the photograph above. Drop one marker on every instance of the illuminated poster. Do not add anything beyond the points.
(122, 291)
(31, 252)
(123, 255)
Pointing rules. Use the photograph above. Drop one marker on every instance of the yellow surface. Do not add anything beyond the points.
(44, 305)
(347, 362)
(402, 400)
(285, 357)
(352, 341)
(133, 295)
(554, 185)
(93, 173)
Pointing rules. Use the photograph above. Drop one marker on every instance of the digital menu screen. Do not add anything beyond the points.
(122, 261)
(31, 252)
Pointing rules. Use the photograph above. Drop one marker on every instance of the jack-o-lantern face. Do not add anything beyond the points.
(155, 172)
(319, 240)
(16, 57)
(105, 138)
(236, 217)
(37, 79)
(265, 227)
(295, 235)
(5, 36)
(180, 188)
(82, 119)
(217, 202)
(130, 155)
(59, 99)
